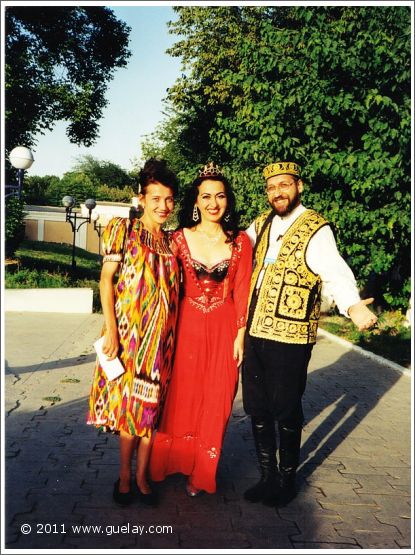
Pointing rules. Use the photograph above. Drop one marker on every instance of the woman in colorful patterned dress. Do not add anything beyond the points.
(216, 264)
(140, 316)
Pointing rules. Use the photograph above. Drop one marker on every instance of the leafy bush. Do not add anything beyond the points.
(14, 225)
(32, 279)
(43, 264)
(391, 339)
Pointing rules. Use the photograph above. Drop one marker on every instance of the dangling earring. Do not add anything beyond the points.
(195, 216)
(227, 217)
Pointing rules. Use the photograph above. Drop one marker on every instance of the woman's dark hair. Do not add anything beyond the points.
(157, 171)
(230, 221)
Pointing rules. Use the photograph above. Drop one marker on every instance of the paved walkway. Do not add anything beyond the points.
(354, 480)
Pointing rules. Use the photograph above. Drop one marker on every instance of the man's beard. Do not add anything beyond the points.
(288, 208)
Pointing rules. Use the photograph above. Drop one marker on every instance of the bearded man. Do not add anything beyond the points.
(295, 255)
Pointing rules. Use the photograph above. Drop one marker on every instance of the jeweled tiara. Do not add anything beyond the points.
(210, 170)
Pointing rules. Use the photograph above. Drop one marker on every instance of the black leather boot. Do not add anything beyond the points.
(289, 455)
(266, 447)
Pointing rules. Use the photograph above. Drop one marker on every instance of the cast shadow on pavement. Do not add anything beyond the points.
(50, 364)
(337, 399)
(60, 470)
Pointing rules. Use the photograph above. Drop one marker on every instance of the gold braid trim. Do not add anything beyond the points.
(288, 304)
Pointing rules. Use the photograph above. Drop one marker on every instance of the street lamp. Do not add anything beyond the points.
(72, 217)
(20, 158)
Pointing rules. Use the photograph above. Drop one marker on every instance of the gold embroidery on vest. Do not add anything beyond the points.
(288, 304)
(261, 251)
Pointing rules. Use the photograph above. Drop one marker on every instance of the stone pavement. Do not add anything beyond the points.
(354, 481)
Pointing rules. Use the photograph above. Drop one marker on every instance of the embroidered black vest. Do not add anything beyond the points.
(287, 306)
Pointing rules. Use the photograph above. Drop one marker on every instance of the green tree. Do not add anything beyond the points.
(167, 142)
(104, 171)
(326, 86)
(36, 188)
(114, 194)
(76, 184)
(87, 180)
(58, 62)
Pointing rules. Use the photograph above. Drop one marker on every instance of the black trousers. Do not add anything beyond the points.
(274, 377)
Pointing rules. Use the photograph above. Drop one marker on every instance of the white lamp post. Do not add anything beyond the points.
(20, 158)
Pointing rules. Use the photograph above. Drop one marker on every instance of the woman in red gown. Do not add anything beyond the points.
(216, 266)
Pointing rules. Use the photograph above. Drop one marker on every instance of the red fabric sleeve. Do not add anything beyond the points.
(242, 279)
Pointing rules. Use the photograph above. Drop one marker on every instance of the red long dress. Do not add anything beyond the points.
(205, 375)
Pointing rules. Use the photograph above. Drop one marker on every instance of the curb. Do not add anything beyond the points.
(367, 354)
(60, 299)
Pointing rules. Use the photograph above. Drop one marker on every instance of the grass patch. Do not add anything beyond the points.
(44, 265)
(391, 340)
(53, 399)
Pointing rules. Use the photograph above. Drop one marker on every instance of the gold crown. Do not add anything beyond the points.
(210, 170)
(280, 168)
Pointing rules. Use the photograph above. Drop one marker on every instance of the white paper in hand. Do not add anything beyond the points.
(112, 368)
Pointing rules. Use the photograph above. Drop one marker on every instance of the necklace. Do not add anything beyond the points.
(211, 238)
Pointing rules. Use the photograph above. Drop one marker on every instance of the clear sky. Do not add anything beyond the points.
(135, 97)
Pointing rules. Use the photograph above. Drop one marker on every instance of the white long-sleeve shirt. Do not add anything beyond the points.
(322, 257)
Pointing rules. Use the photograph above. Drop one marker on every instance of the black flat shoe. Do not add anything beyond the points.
(119, 497)
(151, 499)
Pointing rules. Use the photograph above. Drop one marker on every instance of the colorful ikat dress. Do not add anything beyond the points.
(146, 302)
